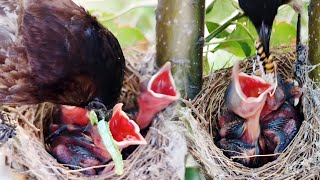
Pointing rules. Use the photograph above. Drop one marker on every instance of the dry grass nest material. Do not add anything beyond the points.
(162, 158)
(300, 160)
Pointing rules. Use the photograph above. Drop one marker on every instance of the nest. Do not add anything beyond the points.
(162, 158)
(300, 160)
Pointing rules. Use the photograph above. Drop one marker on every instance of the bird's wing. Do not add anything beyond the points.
(52, 34)
(59, 54)
(37, 39)
(8, 24)
(60, 37)
(13, 63)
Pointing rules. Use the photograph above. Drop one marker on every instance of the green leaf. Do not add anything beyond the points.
(232, 47)
(211, 26)
(209, 8)
(193, 173)
(93, 118)
(239, 42)
(222, 59)
(146, 20)
(223, 26)
(206, 67)
(246, 48)
(129, 36)
(109, 143)
(282, 33)
(220, 11)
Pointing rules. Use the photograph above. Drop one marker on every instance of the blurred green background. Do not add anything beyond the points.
(133, 23)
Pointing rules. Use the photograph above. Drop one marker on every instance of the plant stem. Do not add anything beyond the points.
(142, 4)
(247, 30)
(227, 40)
(314, 38)
(223, 26)
(180, 31)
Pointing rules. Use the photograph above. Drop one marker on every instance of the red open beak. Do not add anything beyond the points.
(157, 94)
(74, 115)
(124, 130)
(246, 97)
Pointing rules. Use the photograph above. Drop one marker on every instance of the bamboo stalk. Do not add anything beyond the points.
(180, 31)
(314, 38)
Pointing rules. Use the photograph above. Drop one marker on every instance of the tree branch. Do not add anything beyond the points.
(180, 31)
(314, 38)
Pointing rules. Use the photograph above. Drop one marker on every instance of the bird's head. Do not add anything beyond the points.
(105, 62)
(246, 95)
(124, 130)
(156, 94)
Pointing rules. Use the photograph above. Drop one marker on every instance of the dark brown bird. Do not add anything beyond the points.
(262, 14)
(55, 51)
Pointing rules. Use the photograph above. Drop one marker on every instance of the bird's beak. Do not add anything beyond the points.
(124, 130)
(156, 95)
(264, 36)
(246, 95)
(74, 115)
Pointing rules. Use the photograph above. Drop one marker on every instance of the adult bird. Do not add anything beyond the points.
(262, 14)
(54, 51)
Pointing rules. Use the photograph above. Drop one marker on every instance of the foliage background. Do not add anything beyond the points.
(133, 23)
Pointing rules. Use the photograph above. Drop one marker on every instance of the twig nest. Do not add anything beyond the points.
(299, 160)
(162, 157)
